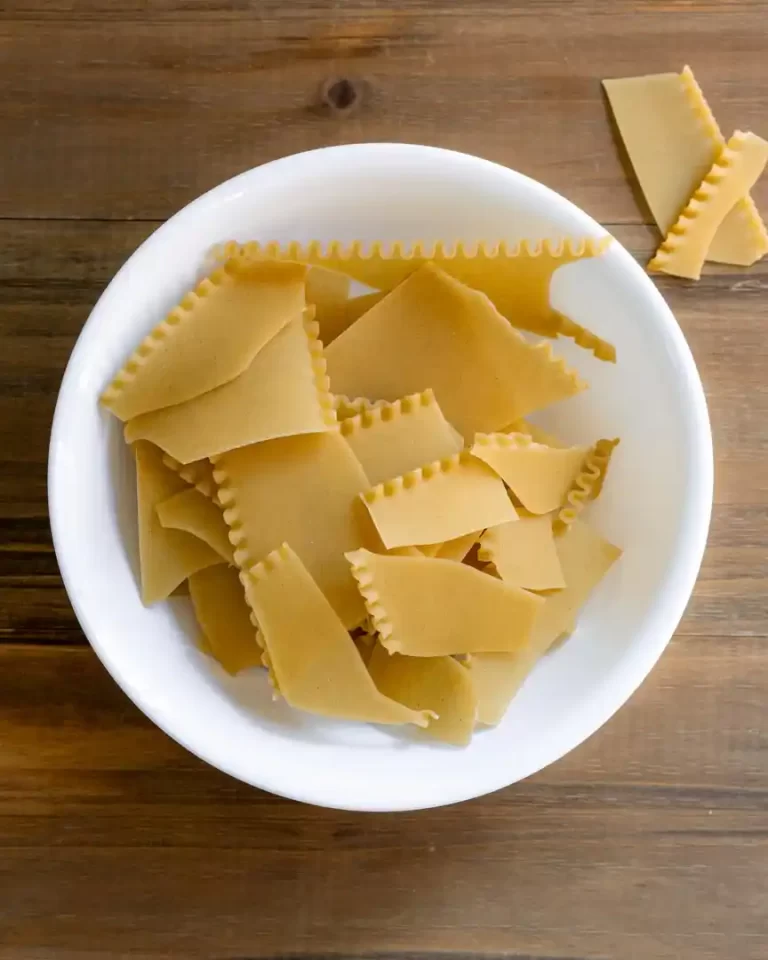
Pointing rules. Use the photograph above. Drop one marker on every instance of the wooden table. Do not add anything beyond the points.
(648, 842)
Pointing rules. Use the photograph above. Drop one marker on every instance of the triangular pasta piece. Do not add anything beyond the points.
(314, 659)
(192, 511)
(733, 174)
(393, 438)
(458, 548)
(438, 502)
(326, 289)
(540, 477)
(210, 338)
(524, 553)
(225, 618)
(167, 556)
(439, 684)
(433, 331)
(424, 607)
(585, 558)
(339, 317)
(516, 278)
(672, 140)
(198, 474)
(587, 484)
(304, 490)
(282, 393)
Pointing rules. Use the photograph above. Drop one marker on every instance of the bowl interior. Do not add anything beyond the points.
(655, 506)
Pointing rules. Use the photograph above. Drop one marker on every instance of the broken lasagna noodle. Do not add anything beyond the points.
(345, 486)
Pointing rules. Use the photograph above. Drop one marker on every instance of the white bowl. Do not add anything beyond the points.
(656, 505)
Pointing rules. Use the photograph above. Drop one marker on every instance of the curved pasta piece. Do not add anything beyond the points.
(424, 607)
(733, 174)
(312, 656)
(303, 490)
(192, 511)
(225, 618)
(167, 557)
(438, 502)
(539, 476)
(516, 278)
(392, 438)
(587, 484)
(282, 393)
(672, 140)
(210, 338)
(198, 474)
(484, 373)
(346, 407)
(524, 553)
(438, 684)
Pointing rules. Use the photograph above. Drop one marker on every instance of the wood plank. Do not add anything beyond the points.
(642, 821)
(192, 102)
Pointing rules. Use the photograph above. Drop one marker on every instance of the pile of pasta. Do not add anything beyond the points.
(696, 183)
(349, 485)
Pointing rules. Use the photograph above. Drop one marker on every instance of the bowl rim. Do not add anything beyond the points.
(684, 565)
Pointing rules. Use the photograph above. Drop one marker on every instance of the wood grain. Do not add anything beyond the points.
(649, 842)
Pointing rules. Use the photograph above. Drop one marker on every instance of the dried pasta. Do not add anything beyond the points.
(587, 484)
(192, 511)
(524, 553)
(225, 618)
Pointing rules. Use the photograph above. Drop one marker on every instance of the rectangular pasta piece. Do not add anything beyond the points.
(303, 490)
(167, 557)
(315, 662)
(393, 438)
(516, 278)
(438, 684)
(425, 607)
(733, 174)
(438, 502)
(433, 331)
(539, 476)
(218, 598)
(672, 140)
(496, 678)
(282, 393)
(587, 484)
(524, 553)
(192, 511)
(210, 338)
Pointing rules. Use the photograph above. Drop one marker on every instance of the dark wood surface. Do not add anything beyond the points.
(650, 842)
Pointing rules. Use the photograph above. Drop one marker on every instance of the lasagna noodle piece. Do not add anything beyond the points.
(539, 476)
(304, 490)
(672, 140)
(197, 473)
(347, 407)
(225, 618)
(585, 557)
(210, 338)
(283, 392)
(733, 174)
(167, 557)
(484, 374)
(515, 277)
(425, 607)
(441, 501)
(393, 438)
(438, 684)
(192, 511)
(588, 483)
(312, 657)
(339, 317)
(535, 432)
(458, 548)
(524, 553)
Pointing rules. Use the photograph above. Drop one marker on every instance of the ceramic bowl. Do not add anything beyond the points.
(656, 505)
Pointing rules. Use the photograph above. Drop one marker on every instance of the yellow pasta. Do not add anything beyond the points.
(224, 617)
(312, 656)
(210, 338)
(197, 473)
(192, 511)
(433, 331)
(587, 484)
(438, 502)
(524, 553)
(424, 607)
